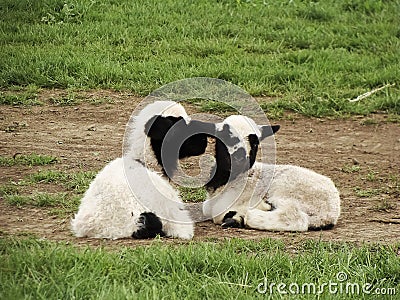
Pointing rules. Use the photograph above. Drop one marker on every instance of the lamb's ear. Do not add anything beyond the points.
(158, 126)
(267, 130)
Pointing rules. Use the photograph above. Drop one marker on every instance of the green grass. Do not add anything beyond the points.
(312, 56)
(41, 199)
(20, 96)
(367, 193)
(32, 191)
(351, 168)
(77, 182)
(69, 99)
(37, 269)
(27, 160)
(24, 98)
(9, 189)
(189, 194)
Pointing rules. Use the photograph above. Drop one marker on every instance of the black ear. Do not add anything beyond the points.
(267, 130)
(254, 143)
(158, 126)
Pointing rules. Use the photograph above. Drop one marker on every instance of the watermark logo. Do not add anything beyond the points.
(340, 285)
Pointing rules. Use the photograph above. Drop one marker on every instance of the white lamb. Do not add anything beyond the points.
(126, 199)
(274, 197)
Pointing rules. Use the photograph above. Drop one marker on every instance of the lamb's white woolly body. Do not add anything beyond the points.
(110, 207)
(295, 199)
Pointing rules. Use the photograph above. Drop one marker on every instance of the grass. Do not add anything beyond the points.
(40, 199)
(189, 194)
(27, 160)
(23, 98)
(311, 56)
(61, 203)
(77, 182)
(69, 99)
(374, 183)
(232, 269)
(351, 168)
(367, 193)
(372, 176)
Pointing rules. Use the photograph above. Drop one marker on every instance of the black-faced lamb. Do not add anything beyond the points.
(127, 199)
(267, 196)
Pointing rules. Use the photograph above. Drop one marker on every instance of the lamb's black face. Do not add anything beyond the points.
(193, 136)
(183, 140)
(231, 154)
(231, 158)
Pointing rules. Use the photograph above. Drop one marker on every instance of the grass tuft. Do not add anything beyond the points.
(77, 182)
(189, 194)
(28, 160)
(351, 168)
(367, 193)
(41, 199)
(24, 99)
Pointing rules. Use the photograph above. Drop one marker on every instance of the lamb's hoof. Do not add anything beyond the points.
(230, 222)
(149, 226)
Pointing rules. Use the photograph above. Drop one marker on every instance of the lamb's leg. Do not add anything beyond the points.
(149, 226)
(235, 217)
(177, 223)
(233, 220)
(279, 219)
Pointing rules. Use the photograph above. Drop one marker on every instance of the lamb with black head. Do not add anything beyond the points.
(127, 199)
(275, 197)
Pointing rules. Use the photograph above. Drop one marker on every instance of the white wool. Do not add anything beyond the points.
(301, 197)
(296, 198)
(110, 208)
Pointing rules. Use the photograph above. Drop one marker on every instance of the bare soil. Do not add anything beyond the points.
(87, 136)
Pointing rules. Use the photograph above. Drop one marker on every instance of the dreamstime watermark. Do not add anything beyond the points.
(340, 285)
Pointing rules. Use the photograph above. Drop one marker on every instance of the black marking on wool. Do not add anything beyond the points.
(254, 143)
(222, 169)
(230, 214)
(323, 227)
(149, 226)
(228, 166)
(229, 222)
(140, 162)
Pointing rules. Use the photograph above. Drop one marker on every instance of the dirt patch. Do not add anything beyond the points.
(363, 161)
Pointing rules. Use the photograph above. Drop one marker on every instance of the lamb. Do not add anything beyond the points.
(274, 197)
(126, 199)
